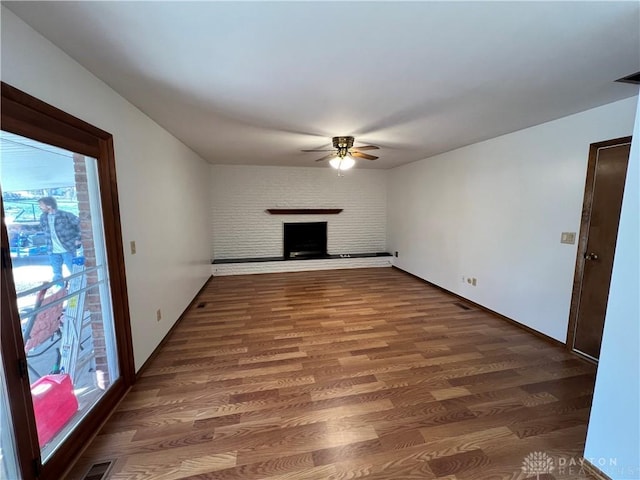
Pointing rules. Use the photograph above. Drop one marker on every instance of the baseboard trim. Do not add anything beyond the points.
(591, 469)
(156, 351)
(499, 315)
(583, 357)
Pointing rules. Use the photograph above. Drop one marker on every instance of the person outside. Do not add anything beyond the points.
(62, 233)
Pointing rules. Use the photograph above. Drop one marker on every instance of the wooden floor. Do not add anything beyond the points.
(344, 374)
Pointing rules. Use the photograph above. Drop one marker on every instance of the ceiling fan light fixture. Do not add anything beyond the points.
(342, 157)
(342, 163)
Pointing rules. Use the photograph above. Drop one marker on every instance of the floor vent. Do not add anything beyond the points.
(201, 305)
(462, 306)
(99, 471)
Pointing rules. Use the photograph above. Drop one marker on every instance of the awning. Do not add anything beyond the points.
(29, 165)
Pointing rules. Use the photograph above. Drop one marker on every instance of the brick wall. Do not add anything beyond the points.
(92, 298)
(240, 195)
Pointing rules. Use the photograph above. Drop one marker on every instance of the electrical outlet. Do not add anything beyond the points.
(474, 281)
(469, 280)
(568, 237)
(133, 247)
(396, 253)
(158, 315)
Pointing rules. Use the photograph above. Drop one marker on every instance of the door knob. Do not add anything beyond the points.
(591, 256)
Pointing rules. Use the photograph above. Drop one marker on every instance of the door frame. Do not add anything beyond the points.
(583, 237)
(25, 115)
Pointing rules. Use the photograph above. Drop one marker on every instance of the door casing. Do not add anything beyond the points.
(583, 239)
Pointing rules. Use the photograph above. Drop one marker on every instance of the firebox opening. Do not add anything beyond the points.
(305, 240)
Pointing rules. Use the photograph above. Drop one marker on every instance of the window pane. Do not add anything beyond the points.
(54, 223)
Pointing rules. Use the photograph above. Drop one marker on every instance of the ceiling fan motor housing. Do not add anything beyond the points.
(343, 142)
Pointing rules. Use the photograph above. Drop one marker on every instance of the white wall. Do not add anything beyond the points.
(241, 194)
(613, 437)
(495, 211)
(163, 186)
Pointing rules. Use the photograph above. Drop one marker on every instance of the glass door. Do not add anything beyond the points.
(53, 217)
(65, 337)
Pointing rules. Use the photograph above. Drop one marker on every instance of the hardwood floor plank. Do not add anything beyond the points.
(458, 463)
(312, 473)
(446, 393)
(363, 373)
(293, 464)
(311, 438)
(339, 413)
(184, 461)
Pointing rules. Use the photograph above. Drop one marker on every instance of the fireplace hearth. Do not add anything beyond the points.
(305, 240)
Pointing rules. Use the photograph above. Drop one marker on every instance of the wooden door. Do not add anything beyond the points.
(604, 188)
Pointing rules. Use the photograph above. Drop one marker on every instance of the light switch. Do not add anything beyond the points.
(568, 237)
(133, 247)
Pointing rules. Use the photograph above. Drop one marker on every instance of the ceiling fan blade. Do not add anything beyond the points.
(363, 155)
(325, 150)
(331, 155)
(366, 147)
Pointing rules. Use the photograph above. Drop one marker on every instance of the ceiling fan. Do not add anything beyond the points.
(341, 156)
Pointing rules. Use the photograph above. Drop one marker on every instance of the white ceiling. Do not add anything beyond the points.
(256, 82)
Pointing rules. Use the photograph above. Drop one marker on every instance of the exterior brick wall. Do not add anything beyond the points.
(92, 298)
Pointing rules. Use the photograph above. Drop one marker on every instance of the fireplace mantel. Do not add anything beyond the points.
(303, 211)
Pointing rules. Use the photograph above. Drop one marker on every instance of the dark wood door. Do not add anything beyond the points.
(601, 215)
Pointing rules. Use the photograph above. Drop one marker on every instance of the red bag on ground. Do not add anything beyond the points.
(54, 403)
